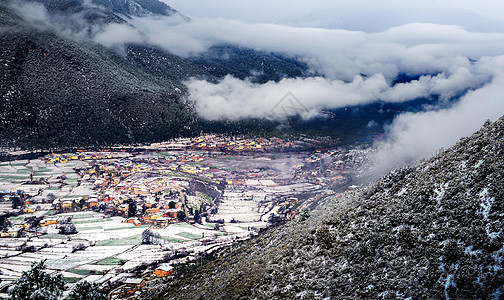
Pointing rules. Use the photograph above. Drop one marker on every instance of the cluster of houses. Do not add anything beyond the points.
(205, 142)
(187, 162)
(160, 216)
(239, 144)
(133, 286)
(11, 232)
(79, 155)
(17, 230)
(8, 196)
(158, 199)
(222, 143)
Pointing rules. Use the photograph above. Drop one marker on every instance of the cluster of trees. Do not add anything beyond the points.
(149, 237)
(66, 98)
(37, 284)
(4, 220)
(181, 215)
(67, 227)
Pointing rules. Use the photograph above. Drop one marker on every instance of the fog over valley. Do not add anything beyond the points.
(251, 149)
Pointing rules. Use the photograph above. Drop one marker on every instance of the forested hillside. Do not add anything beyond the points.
(428, 232)
(66, 91)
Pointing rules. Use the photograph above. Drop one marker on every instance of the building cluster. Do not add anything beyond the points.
(235, 144)
(132, 286)
(222, 143)
(187, 162)
(155, 182)
(79, 155)
(324, 167)
(16, 198)
(158, 199)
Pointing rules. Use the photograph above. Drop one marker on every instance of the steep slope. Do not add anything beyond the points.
(59, 92)
(427, 232)
(127, 7)
(137, 7)
(244, 63)
(65, 91)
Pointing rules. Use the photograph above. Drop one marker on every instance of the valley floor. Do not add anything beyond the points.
(194, 198)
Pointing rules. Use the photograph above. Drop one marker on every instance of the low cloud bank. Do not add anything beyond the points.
(238, 99)
(417, 48)
(412, 136)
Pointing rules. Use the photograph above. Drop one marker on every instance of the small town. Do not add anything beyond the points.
(123, 217)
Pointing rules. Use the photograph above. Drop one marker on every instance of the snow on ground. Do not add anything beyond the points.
(184, 232)
(233, 229)
(112, 247)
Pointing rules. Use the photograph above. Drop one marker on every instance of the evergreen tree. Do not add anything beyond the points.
(36, 284)
(68, 228)
(181, 215)
(82, 202)
(149, 237)
(85, 291)
(17, 202)
(132, 208)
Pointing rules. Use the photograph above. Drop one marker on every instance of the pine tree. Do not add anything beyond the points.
(181, 215)
(36, 284)
(85, 291)
(132, 208)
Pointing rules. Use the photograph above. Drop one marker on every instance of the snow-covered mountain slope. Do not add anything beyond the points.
(427, 232)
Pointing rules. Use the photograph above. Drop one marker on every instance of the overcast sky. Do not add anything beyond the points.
(366, 15)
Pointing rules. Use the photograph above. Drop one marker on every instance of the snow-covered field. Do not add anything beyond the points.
(112, 247)
(105, 248)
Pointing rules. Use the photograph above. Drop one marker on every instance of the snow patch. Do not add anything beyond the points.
(485, 202)
(469, 251)
(497, 295)
(440, 193)
(478, 164)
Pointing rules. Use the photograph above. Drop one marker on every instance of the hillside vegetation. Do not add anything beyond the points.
(59, 90)
(427, 232)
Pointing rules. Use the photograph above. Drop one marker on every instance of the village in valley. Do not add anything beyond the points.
(122, 217)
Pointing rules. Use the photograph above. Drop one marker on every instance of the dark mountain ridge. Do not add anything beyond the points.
(430, 231)
(126, 7)
(62, 91)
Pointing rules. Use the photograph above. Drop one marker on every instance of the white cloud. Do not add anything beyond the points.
(114, 35)
(234, 99)
(33, 13)
(416, 135)
(363, 15)
(336, 54)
